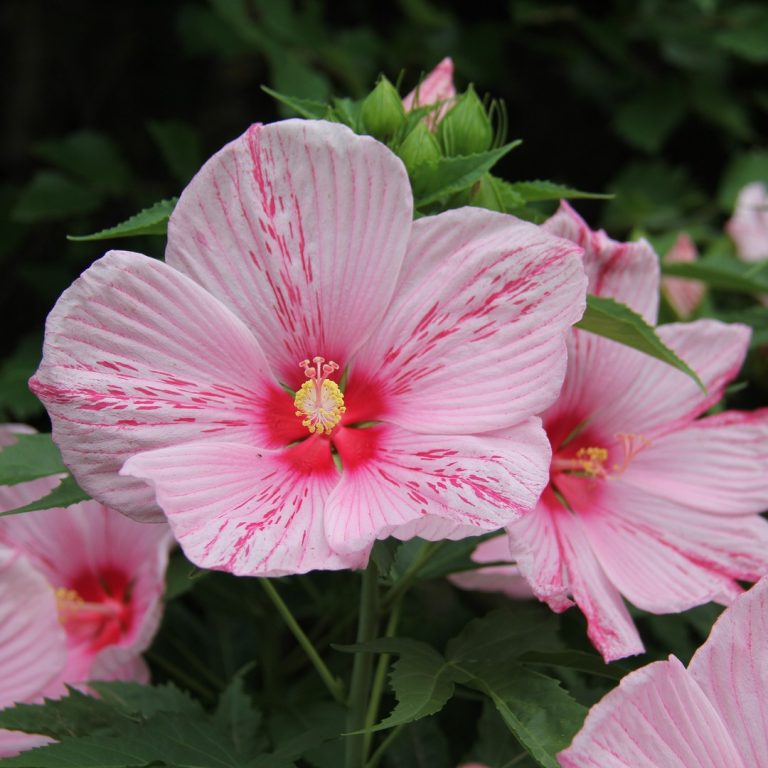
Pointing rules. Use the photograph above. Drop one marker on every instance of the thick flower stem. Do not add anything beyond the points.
(335, 686)
(356, 751)
(379, 679)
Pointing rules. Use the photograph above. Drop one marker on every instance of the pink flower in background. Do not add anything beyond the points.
(505, 579)
(683, 295)
(711, 715)
(436, 88)
(418, 353)
(80, 597)
(749, 224)
(645, 500)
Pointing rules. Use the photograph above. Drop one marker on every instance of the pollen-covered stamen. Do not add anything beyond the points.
(589, 461)
(72, 607)
(592, 461)
(319, 400)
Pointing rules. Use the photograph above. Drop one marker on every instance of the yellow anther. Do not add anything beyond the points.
(68, 602)
(592, 460)
(319, 400)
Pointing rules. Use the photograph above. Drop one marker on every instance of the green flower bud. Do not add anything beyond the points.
(419, 148)
(466, 129)
(486, 195)
(382, 110)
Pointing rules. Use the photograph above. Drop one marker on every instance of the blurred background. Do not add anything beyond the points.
(109, 107)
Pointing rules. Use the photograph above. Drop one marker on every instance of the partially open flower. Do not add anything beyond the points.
(436, 88)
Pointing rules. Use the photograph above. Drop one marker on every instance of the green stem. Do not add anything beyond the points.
(334, 685)
(404, 583)
(362, 668)
(379, 679)
(384, 746)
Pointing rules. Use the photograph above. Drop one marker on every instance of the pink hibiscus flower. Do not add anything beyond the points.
(418, 353)
(80, 597)
(682, 294)
(645, 500)
(711, 715)
(749, 224)
(437, 87)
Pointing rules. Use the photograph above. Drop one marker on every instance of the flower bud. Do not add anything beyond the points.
(485, 194)
(382, 110)
(419, 148)
(466, 129)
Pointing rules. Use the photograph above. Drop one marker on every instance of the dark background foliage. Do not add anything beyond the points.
(109, 107)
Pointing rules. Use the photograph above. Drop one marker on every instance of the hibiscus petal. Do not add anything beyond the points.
(248, 511)
(621, 390)
(535, 545)
(732, 670)
(641, 543)
(33, 646)
(609, 625)
(433, 486)
(627, 272)
(138, 356)
(474, 340)
(658, 717)
(300, 227)
(718, 464)
(506, 579)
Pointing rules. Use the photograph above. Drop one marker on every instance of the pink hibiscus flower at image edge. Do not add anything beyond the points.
(645, 500)
(748, 227)
(80, 597)
(711, 715)
(418, 353)
(683, 295)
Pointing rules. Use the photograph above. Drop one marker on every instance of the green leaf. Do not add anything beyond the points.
(421, 678)
(66, 493)
(647, 119)
(537, 191)
(239, 719)
(307, 108)
(542, 716)
(51, 196)
(423, 744)
(65, 718)
(744, 168)
(579, 660)
(170, 739)
(91, 156)
(179, 144)
(723, 275)
(747, 36)
(454, 174)
(29, 458)
(496, 746)
(615, 321)
(132, 699)
(150, 221)
(505, 634)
